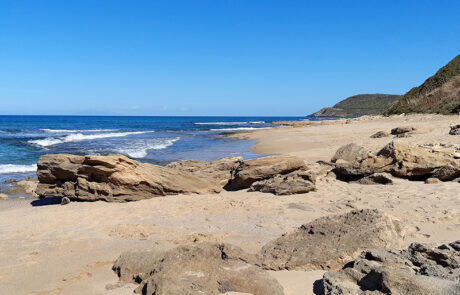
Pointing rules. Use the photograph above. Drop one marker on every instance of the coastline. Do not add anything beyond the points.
(64, 249)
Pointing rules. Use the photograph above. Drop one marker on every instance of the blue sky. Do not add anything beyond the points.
(215, 57)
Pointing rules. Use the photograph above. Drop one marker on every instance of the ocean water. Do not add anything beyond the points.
(159, 140)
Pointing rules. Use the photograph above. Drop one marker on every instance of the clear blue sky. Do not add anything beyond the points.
(215, 57)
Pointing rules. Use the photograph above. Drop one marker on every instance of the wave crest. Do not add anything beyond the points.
(12, 168)
(140, 149)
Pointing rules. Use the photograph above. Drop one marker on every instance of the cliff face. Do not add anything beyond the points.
(439, 93)
(358, 105)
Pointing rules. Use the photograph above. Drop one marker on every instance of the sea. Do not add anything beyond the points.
(158, 140)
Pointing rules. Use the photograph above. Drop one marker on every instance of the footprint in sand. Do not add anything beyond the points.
(49, 292)
(78, 277)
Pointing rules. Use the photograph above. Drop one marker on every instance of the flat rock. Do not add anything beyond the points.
(25, 187)
(113, 178)
(297, 182)
(402, 160)
(418, 270)
(219, 170)
(402, 130)
(454, 130)
(380, 134)
(376, 178)
(264, 168)
(328, 243)
(201, 268)
(350, 152)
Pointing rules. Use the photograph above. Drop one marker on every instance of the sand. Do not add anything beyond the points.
(70, 249)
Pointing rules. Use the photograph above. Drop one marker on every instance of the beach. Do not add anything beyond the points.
(54, 249)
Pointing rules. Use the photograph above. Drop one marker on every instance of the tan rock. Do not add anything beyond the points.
(25, 187)
(402, 130)
(432, 180)
(330, 242)
(219, 170)
(263, 168)
(380, 134)
(202, 268)
(297, 182)
(113, 178)
(350, 152)
(4, 197)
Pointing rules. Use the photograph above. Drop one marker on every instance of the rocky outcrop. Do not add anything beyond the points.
(4, 197)
(380, 134)
(376, 178)
(350, 152)
(202, 268)
(454, 130)
(297, 182)
(27, 187)
(418, 270)
(402, 130)
(402, 160)
(264, 168)
(113, 178)
(330, 242)
(219, 170)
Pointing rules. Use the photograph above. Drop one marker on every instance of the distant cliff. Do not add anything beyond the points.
(358, 105)
(440, 93)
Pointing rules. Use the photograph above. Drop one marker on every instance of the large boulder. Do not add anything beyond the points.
(113, 178)
(202, 268)
(403, 160)
(219, 170)
(418, 270)
(297, 182)
(330, 242)
(258, 169)
(350, 152)
(402, 130)
(27, 187)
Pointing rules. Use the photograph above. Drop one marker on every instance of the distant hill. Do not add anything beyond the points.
(440, 93)
(358, 105)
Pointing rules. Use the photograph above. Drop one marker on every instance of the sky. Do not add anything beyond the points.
(215, 57)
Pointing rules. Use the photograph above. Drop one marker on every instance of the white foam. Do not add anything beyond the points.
(222, 123)
(257, 122)
(77, 130)
(80, 137)
(140, 149)
(11, 168)
(239, 129)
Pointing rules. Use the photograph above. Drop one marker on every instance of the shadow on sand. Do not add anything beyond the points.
(46, 201)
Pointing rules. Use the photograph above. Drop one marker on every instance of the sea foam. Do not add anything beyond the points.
(80, 137)
(140, 149)
(12, 168)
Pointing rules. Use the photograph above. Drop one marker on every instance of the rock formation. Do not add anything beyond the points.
(402, 160)
(264, 168)
(27, 187)
(297, 182)
(113, 178)
(418, 270)
(202, 268)
(330, 242)
(402, 130)
(455, 130)
(350, 152)
(220, 170)
(380, 134)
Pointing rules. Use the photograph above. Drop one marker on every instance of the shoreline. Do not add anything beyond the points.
(68, 249)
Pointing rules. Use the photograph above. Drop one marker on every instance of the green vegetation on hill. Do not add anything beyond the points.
(358, 105)
(440, 93)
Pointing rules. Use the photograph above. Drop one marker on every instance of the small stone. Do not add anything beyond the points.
(380, 134)
(432, 180)
(454, 130)
(65, 201)
(401, 130)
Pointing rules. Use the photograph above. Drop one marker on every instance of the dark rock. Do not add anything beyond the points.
(402, 130)
(65, 201)
(454, 130)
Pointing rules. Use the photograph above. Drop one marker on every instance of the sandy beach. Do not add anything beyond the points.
(70, 249)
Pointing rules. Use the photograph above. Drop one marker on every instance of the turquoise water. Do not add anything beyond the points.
(148, 139)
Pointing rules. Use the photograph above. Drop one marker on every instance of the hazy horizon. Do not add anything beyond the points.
(215, 58)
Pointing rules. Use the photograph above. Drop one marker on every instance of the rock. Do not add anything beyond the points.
(10, 180)
(402, 135)
(376, 178)
(4, 197)
(350, 152)
(402, 130)
(454, 130)
(297, 182)
(202, 268)
(432, 180)
(258, 169)
(330, 242)
(418, 270)
(65, 201)
(27, 187)
(113, 178)
(219, 170)
(402, 160)
(380, 134)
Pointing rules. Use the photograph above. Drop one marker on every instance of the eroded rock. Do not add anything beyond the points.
(201, 268)
(297, 182)
(264, 168)
(27, 187)
(113, 178)
(330, 242)
(418, 270)
(402, 130)
(350, 152)
(454, 130)
(380, 134)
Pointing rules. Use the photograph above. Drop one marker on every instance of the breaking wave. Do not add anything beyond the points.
(11, 168)
(140, 149)
(75, 131)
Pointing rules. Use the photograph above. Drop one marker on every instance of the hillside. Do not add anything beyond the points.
(358, 105)
(440, 93)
